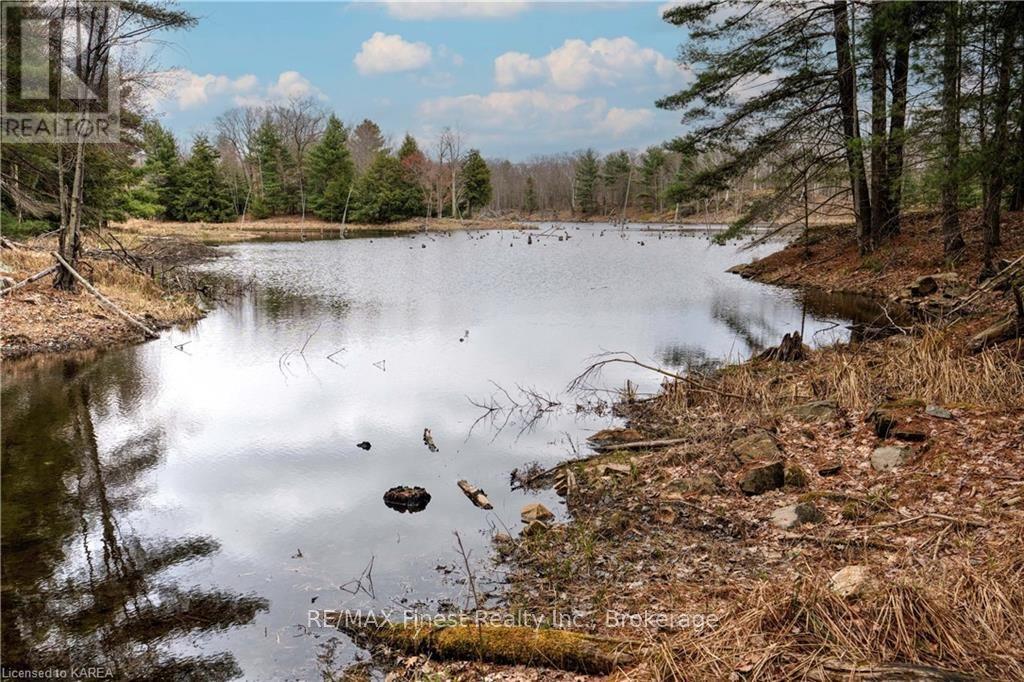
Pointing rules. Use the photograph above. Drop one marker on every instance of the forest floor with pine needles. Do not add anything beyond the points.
(856, 514)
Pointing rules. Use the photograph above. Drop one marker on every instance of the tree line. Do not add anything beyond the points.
(796, 109)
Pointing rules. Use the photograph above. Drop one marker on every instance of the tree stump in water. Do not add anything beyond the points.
(792, 349)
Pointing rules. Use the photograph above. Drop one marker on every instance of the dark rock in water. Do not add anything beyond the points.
(762, 478)
(405, 498)
(365, 445)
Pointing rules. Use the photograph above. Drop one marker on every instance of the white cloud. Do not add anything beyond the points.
(516, 67)
(578, 65)
(383, 53)
(426, 10)
(618, 122)
(291, 85)
(544, 115)
(189, 90)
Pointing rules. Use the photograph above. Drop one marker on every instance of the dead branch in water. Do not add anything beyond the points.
(595, 368)
(531, 407)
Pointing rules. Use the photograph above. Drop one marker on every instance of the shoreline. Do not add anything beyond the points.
(894, 484)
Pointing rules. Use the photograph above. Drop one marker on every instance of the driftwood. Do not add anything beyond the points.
(639, 445)
(507, 645)
(106, 301)
(29, 280)
(475, 495)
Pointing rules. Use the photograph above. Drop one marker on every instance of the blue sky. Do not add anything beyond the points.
(516, 78)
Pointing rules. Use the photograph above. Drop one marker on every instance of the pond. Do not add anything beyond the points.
(179, 506)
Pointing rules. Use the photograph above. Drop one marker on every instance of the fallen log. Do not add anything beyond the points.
(1009, 328)
(506, 645)
(106, 301)
(639, 445)
(28, 280)
(475, 495)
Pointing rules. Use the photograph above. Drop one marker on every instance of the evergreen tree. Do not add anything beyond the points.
(651, 168)
(366, 143)
(386, 192)
(204, 196)
(163, 169)
(331, 172)
(587, 175)
(476, 182)
(270, 160)
(615, 175)
(409, 148)
(531, 196)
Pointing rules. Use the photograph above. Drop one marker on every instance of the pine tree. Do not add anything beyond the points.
(651, 168)
(386, 192)
(409, 148)
(476, 182)
(203, 195)
(366, 143)
(331, 172)
(616, 176)
(587, 175)
(163, 169)
(269, 160)
(531, 196)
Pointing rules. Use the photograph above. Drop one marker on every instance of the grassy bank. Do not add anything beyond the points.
(296, 227)
(858, 514)
(41, 319)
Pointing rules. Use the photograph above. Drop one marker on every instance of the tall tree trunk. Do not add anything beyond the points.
(996, 159)
(70, 236)
(953, 241)
(847, 78)
(879, 165)
(897, 123)
(1017, 197)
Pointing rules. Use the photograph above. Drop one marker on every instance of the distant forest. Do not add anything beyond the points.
(795, 111)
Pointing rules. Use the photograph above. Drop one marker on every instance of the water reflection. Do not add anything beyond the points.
(174, 509)
(80, 587)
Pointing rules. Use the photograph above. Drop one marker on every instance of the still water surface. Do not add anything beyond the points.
(176, 509)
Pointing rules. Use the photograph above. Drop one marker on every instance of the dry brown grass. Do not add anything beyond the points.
(960, 615)
(41, 318)
(294, 225)
(934, 367)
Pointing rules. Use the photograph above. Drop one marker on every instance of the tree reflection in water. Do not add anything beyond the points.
(79, 587)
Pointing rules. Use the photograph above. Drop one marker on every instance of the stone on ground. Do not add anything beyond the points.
(761, 478)
(851, 581)
(890, 457)
(793, 515)
(816, 411)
